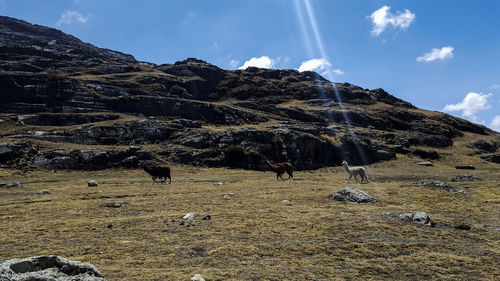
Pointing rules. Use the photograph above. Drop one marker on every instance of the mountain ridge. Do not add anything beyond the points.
(195, 112)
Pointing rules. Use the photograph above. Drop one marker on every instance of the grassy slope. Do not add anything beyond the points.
(254, 236)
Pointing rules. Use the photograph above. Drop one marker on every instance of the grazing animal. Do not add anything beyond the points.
(158, 172)
(355, 171)
(281, 168)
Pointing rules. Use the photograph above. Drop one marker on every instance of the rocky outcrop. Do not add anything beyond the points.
(48, 268)
(11, 151)
(90, 159)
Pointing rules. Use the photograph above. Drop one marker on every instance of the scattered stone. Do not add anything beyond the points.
(217, 184)
(462, 226)
(466, 178)
(48, 268)
(10, 185)
(406, 217)
(425, 163)
(349, 194)
(114, 205)
(110, 226)
(465, 167)
(439, 184)
(165, 220)
(207, 217)
(93, 228)
(43, 192)
(316, 189)
(190, 216)
(228, 196)
(495, 158)
(285, 201)
(92, 183)
(181, 223)
(197, 277)
(421, 218)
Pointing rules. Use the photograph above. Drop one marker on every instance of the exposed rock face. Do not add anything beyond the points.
(48, 268)
(196, 110)
(89, 159)
(12, 150)
(349, 194)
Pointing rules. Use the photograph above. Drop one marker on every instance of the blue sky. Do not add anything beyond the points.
(438, 55)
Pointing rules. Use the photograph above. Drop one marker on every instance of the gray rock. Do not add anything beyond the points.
(352, 195)
(466, 178)
(197, 277)
(48, 268)
(114, 205)
(421, 218)
(10, 185)
(13, 150)
(92, 183)
(406, 217)
(465, 167)
(190, 216)
(43, 192)
(425, 163)
(438, 184)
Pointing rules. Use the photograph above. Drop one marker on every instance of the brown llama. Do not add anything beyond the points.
(158, 171)
(281, 168)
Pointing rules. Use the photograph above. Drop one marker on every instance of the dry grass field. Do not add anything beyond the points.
(254, 235)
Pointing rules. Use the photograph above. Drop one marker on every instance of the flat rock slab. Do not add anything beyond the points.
(48, 268)
(466, 178)
(438, 184)
(353, 195)
(425, 163)
(465, 167)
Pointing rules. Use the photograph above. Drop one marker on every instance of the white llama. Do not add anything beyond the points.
(355, 171)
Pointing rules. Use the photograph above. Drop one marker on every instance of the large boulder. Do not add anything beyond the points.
(349, 194)
(13, 150)
(48, 268)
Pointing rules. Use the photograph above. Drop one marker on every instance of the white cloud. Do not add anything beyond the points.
(69, 17)
(338, 72)
(495, 123)
(262, 62)
(234, 63)
(382, 18)
(315, 65)
(472, 103)
(322, 66)
(437, 54)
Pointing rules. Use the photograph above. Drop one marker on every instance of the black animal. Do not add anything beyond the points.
(160, 172)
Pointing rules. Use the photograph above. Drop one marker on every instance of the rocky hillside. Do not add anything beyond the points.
(65, 104)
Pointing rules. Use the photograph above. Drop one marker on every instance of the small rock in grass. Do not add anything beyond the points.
(43, 192)
(425, 163)
(217, 184)
(207, 217)
(114, 205)
(197, 277)
(92, 183)
(465, 167)
(110, 226)
(466, 178)
(462, 226)
(189, 216)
